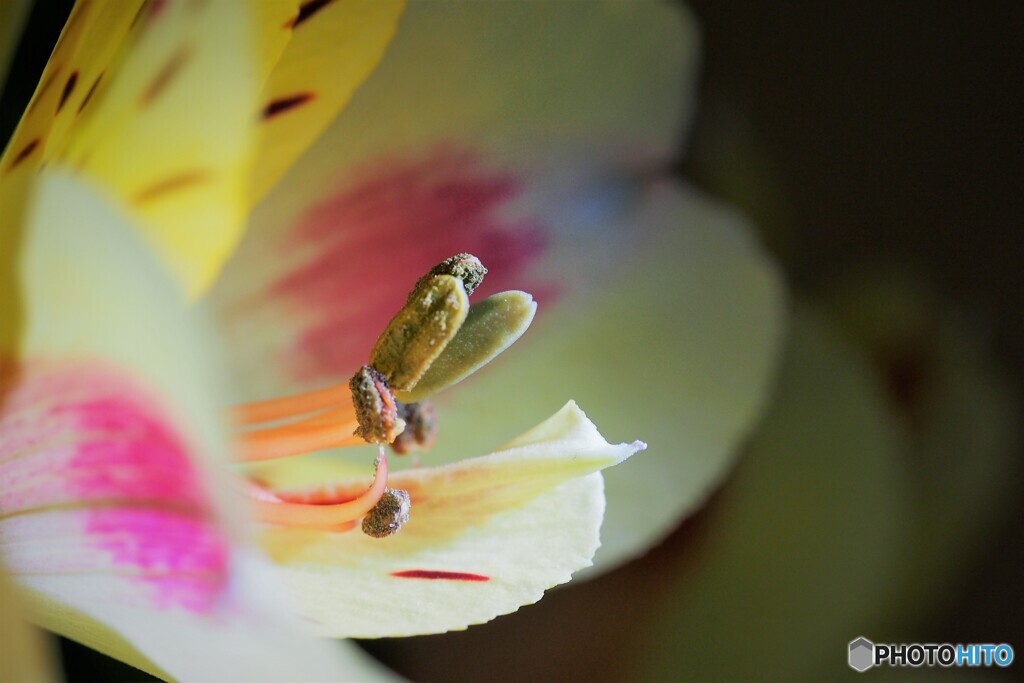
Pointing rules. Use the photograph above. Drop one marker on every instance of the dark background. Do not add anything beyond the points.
(881, 129)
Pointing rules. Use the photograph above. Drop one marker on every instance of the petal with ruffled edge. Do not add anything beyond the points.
(485, 535)
(111, 520)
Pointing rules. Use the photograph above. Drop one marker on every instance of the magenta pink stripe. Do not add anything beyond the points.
(82, 437)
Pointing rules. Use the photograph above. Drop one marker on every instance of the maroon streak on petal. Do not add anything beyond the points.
(167, 185)
(433, 575)
(24, 153)
(88, 95)
(164, 77)
(69, 88)
(307, 10)
(283, 104)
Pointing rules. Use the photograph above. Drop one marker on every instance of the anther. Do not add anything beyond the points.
(464, 266)
(420, 330)
(388, 515)
(375, 406)
(420, 428)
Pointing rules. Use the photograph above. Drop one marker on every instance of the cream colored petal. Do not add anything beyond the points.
(485, 536)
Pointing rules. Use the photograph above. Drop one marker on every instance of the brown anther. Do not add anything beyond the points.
(420, 428)
(388, 515)
(464, 266)
(376, 408)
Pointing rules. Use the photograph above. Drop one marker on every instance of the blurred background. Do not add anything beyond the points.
(878, 146)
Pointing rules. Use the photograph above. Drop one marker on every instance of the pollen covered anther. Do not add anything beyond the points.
(388, 515)
(420, 331)
(420, 428)
(464, 266)
(375, 406)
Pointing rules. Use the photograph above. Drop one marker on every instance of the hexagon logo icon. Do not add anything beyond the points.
(862, 654)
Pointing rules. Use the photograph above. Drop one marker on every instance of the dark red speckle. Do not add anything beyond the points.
(283, 104)
(432, 574)
(69, 88)
(308, 9)
(88, 95)
(25, 152)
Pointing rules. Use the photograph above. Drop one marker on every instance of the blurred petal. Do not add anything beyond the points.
(678, 346)
(955, 404)
(483, 126)
(23, 649)
(155, 102)
(111, 519)
(803, 541)
(485, 536)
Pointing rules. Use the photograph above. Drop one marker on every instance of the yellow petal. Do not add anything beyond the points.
(485, 536)
(154, 103)
(331, 48)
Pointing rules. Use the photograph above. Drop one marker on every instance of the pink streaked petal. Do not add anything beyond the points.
(94, 477)
(369, 241)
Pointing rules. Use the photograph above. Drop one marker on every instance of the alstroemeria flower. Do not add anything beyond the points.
(537, 136)
(112, 494)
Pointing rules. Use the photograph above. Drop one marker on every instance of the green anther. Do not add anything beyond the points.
(464, 266)
(491, 327)
(420, 331)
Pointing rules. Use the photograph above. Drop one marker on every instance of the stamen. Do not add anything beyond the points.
(388, 516)
(420, 428)
(377, 419)
(331, 429)
(464, 266)
(336, 517)
(291, 406)
(420, 330)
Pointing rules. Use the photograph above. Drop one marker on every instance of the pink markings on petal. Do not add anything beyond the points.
(369, 242)
(83, 438)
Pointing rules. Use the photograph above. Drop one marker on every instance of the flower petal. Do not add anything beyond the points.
(804, 541)
(331, 48)
(110, 517)
(481, 123)
(22, 648)
(485, 536)
(155, 103)
(678, 346)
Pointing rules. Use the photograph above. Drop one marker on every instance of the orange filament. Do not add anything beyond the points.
(292, 406)
(329, 429)
(334, 517)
